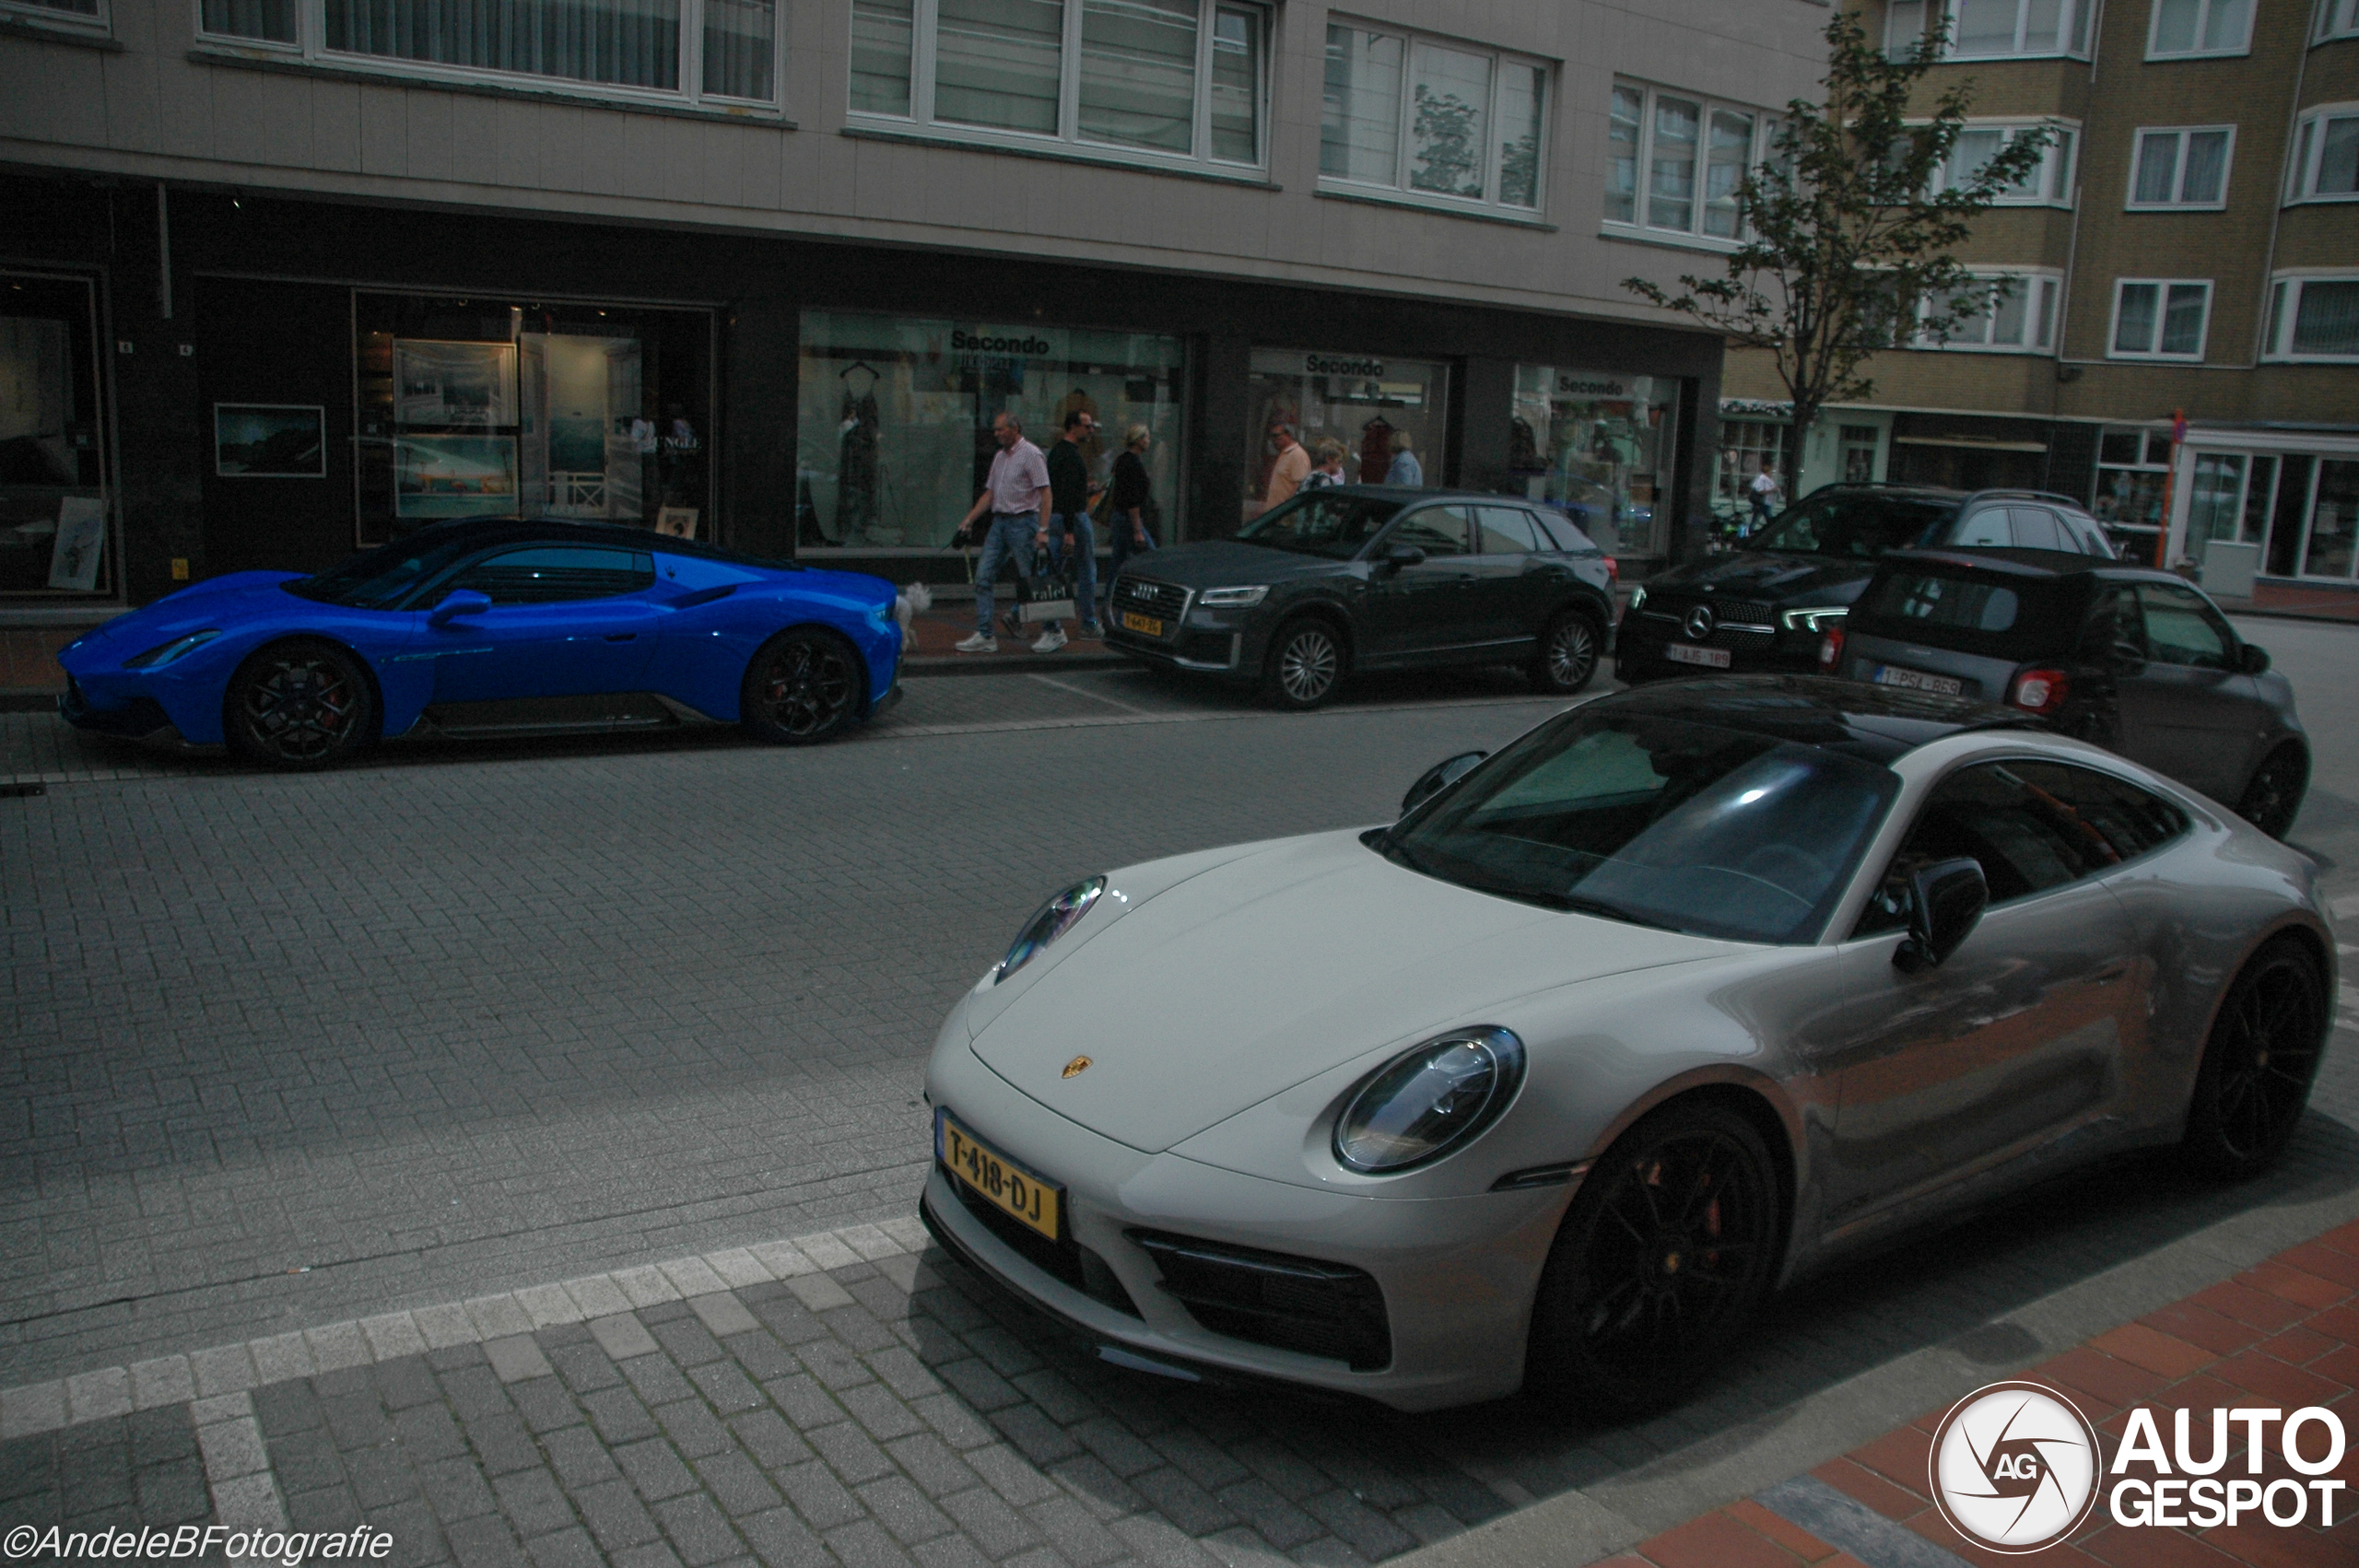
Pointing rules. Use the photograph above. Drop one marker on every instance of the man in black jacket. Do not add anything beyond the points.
(1069, 529)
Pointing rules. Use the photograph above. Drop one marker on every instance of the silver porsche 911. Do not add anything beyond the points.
(1686, 992)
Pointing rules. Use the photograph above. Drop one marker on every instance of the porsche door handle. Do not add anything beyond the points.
(621, 636)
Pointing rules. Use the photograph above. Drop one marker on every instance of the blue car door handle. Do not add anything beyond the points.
(620, 637)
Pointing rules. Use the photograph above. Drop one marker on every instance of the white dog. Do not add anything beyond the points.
(907, 603)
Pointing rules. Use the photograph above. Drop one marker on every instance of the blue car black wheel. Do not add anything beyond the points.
(298, 704)
(803, 686)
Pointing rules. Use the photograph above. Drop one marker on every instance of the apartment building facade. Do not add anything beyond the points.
(282, 278)
(2178, 344)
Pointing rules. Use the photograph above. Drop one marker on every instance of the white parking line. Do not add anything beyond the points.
(1094, 696)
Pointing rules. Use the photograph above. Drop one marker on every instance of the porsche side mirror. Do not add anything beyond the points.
(1401, 556)
(1437, 778)
(1946, 900)
(2252, 660)
(458, 601)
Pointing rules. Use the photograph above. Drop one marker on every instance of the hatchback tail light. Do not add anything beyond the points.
(2040, 691)
(1613, 572)
(1830, 650)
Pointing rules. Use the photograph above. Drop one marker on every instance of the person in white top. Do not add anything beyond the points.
(1765, 496)
(1016, 496)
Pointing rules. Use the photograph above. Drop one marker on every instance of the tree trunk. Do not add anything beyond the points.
(1797, 432)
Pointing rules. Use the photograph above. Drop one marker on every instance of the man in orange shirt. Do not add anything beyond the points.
(1292, 467)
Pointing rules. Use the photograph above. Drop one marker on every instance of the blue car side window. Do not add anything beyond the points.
(549, 574)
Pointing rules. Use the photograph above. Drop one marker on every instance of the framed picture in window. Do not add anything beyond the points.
(269, 441)
(436, 476)
(453, 386)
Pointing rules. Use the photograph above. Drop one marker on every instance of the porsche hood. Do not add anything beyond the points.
(1268, 968)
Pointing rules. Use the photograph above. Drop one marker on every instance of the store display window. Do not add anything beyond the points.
(53, 496)
(1601, 445)
(473, 407)
(1389, 416)
(894, 429)
(2132, 468)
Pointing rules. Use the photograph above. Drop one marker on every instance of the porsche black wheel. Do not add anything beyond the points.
(2273, 797)
(2258, 1066)
(298, 706)
(1567, 657)
(803, 686)
(1662, 1260)
(1306, 664)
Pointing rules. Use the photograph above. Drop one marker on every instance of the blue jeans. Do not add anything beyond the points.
(1010, 539)
(1084, 592)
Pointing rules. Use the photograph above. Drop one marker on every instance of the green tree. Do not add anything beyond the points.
(1848, 246)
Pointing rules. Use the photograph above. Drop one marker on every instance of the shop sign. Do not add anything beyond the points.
(1586, 383)
(1287, 362)
(971, 345)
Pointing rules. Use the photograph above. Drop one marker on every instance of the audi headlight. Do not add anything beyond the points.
(1232, 598)
(164, 652)
(1429, 1102)
(1050, 922)
(1814, 620)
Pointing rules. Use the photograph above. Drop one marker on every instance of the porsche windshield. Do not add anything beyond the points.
(376, 579)
(1321, 522)
(1661, 822)
(1859, 524)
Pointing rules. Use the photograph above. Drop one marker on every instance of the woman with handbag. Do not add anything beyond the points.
(1126, 503)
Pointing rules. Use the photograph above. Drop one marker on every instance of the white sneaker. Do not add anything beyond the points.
(1051, 640)
(982, 642)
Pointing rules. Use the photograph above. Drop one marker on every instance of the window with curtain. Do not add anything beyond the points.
(1432, 118)
(1991, 29)
(1694, 154)
(629, 46)
(2159, 319)
(2181, 168)
(2194, 28)
(2325, 165)
(2048, 182)
(1156, 80)
(2314, 318)
(2012, 313)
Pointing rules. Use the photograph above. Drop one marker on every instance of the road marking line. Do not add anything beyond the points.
(1094, 696)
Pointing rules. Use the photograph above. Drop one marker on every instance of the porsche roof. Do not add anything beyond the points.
(1878, 724)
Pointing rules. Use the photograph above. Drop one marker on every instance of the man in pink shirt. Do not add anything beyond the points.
(1016, 496)
(1292, 467)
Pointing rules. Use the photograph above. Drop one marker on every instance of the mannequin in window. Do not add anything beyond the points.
(859, 467)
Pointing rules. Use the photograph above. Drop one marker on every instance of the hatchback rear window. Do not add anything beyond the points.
(1966, 611)
(1948, 601)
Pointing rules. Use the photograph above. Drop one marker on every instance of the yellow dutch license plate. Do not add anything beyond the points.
(1136, 623)
(999, 1180)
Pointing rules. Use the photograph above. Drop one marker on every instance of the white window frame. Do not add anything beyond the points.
(2162, 306)
(2337, 18)
(2284, 307)
(1765, 127)
(70, 22)
(2056, 174)
(2179, 181)
(2042, 293)
(1398, 190)
(2073, 21)
(925, 16)
(310, 46)
(2309, 148)
(2202, 18)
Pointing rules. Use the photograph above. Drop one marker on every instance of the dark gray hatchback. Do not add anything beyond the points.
(2131, 658)
(1370, 576)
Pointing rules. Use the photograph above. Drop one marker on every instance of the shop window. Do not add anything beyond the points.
(1432, 121)
(1991, 29)
(2193, 29)
(1748, 447)
(1694, 154)
(2314, 319)
(2181, 168)
(2325, 165)
(2048, 182)
(494, 408)
(2159, 319)
(1153, 81)
(1860, 444)
(2332, 548)
(1387, 414)
(2132, 465)
(894, 423)
(54, 501)
(2007, 313)
(2337, 18)
(1600, 446)
(629, 49)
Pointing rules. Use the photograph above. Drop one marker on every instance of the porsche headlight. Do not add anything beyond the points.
(1431, 1101)
(1816, 619)
(1232, 598)
(164, 652)
(1050, 922)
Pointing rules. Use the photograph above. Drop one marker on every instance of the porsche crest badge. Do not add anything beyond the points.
(1076, 1067)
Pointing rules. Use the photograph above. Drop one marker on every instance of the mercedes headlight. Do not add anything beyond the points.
(1815, 619)
(164, 652)
(1429, 1102)
(1050, 922)
(1637, 600)
(1232, 598)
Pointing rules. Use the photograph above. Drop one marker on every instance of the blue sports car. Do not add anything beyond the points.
(478, 627)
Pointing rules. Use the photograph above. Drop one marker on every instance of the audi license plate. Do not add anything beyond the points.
(1687, 653)
(1917, 680)
(1003, 1183)
(1133, 622)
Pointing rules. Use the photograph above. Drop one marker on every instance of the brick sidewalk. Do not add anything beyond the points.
(2283, 1335)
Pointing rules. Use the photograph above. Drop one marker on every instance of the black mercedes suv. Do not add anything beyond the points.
(1766, 607)
(1371, 577)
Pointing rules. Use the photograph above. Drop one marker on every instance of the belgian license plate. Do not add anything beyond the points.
(1917, 680)
(1002, 1182)
(1132, 622)
(1687, 653)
